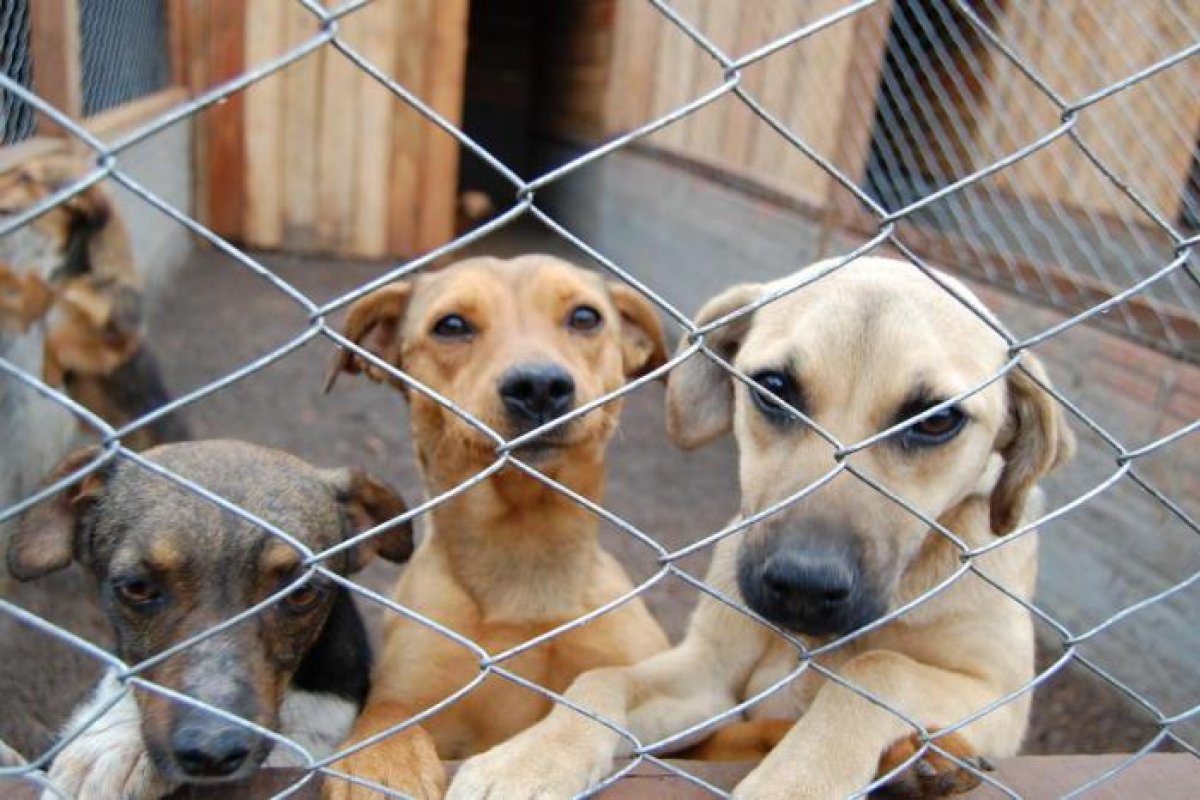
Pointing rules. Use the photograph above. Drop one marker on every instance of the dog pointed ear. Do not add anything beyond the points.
(44, 541)
(374, 324)
(643, 344)
(367, 502)
(700, 391)
(1035, 439)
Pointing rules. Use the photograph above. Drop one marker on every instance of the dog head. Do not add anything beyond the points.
(861, 351)
(515, 343)
(172, 565)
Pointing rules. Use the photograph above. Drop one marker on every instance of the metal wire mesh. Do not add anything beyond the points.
(942, 75)
(16, 117)
(123, 51)
(902, 188)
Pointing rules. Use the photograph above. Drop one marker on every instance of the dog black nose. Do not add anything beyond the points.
(537, 393)
(211, 750)
(817, 580)
(811, 582)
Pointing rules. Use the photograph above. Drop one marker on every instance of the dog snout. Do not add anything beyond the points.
(812, 584)
(209, 747)
(537, 393)
(819, 579)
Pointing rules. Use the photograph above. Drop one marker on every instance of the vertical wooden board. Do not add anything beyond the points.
(631, 84)
(408, 128)
(372, 32)
(226, 150)
(819, 98)
(301, 104)
(263, 117)
(770, 150)
(54, 49)
(197, 23)
(615, 105)
(177, 41)
(673, 82)
(740, 122)
(706, 128)
(445, 72)
(339, 136)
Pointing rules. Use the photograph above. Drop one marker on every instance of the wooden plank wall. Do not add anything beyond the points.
(814, 87)
(1148, 132)
(824, 90)
(321, 157)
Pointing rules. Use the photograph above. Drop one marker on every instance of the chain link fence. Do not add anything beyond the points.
(16, 117)
(900, 191)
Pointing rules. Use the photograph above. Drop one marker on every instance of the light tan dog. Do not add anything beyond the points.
(516, 344)
(861, 351)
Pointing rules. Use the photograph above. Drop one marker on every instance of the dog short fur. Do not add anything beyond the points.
(517, 344)
(861, 350)
(171, 565)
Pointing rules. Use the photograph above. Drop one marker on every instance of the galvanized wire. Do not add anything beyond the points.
(964, 200)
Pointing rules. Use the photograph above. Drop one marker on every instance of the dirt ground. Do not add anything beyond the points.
(217, 316)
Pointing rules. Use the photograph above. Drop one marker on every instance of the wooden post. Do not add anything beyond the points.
(54, 43)
(225, 165)
(445, 74)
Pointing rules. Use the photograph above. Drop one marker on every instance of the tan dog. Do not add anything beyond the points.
(517, 344)
(860, 351)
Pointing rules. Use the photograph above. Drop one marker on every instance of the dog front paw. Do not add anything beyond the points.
(932, 774)
(525, 768)
(107, 758)
(105, 766)
(405, 763)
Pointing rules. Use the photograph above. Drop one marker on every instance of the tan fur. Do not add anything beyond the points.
(859, 339)
(24, 299)
(511, 558)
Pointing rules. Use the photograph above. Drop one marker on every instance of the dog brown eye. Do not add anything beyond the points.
(453, 326)
(136, 591)
(303, 597)
(935, 429)
(584, 318)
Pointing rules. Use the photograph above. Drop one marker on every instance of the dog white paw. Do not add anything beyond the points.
(525, 770)
(108, 759)
(98, 770)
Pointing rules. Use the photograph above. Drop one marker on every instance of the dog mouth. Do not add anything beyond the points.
(544, 448)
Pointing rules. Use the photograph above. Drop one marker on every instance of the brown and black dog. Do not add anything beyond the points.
(517, 344)
(88, 290)
(171, 565)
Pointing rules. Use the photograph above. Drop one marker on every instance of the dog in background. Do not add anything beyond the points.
(171, 565)
(871, 347)
(517, 344)
(88, 291)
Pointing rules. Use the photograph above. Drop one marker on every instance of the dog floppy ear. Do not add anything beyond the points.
(366, 503)
(643, 345)
(44, 541)
(1035, 439)
(700, 391)
(374, 324)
